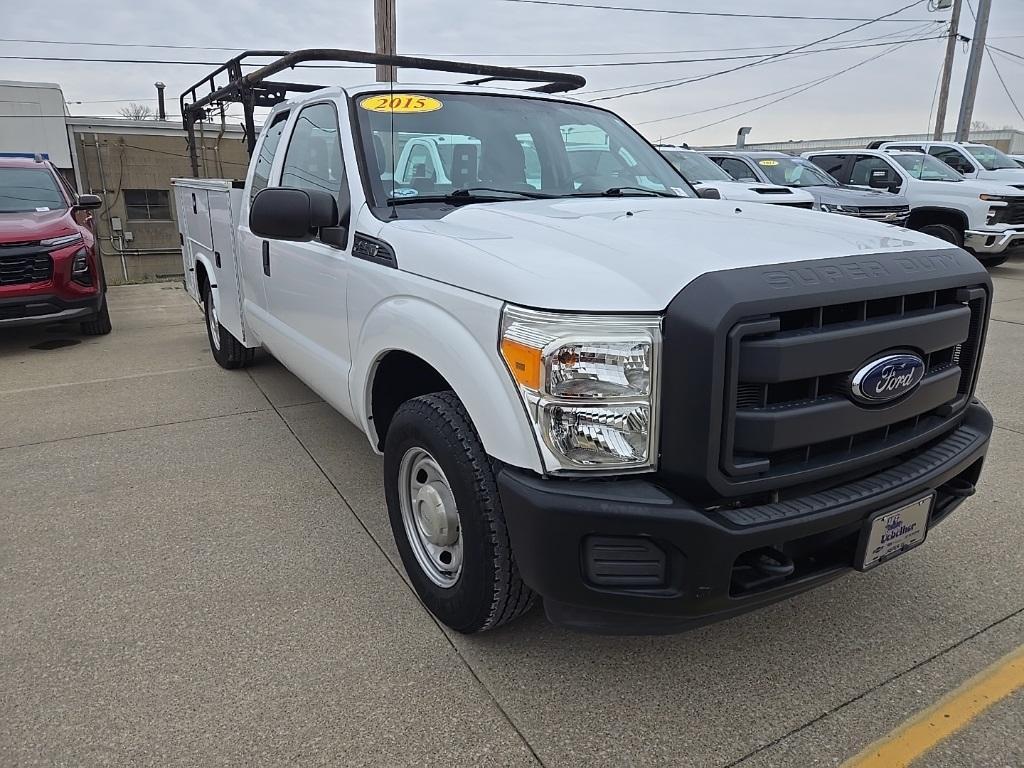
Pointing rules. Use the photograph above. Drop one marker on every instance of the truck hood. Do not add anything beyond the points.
(854, 196)
(620, 255)
(35, 225)
(751, 192)
(1013, 176)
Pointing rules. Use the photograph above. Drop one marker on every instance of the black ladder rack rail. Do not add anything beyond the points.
(255, 90)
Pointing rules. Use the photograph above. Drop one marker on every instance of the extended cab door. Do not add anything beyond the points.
(307, 281)
(252, 249)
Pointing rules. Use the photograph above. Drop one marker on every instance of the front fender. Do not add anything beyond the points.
(468, 361)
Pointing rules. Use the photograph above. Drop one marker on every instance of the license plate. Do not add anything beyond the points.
(894, 532)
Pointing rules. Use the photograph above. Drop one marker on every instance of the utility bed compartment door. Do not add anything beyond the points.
(223, 207)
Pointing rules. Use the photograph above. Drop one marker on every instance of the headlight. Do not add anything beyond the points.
(54, 242)
(589, 383)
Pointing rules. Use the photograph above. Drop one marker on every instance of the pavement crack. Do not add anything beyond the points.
(133, 429)
(1011, 322)
(892, 678)
(469, 668)
(1009, 429)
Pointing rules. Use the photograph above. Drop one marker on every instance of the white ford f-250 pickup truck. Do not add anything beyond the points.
(652, 410)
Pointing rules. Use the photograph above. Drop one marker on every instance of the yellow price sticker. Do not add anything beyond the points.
(400, 102)
(768, 163)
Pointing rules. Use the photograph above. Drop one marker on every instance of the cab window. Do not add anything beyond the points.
(865, 167)
(736, 168)
(265, 158)
(953, 158)
(832, 165)
(313, 160)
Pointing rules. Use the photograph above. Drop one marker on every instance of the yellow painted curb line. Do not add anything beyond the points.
(944, 718)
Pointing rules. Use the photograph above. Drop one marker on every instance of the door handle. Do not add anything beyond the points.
(266, 258)
(195, 208)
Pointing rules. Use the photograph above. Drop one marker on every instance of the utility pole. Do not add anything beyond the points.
(385, 32)
(947, 70)
(963, 126)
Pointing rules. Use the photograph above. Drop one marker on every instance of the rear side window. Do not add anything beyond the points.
(832, 165)
(265, 159)
(313, 160)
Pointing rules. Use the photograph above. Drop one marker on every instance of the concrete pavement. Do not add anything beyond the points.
(196, 569)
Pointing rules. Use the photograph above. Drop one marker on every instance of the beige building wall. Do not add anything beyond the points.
(130, 164)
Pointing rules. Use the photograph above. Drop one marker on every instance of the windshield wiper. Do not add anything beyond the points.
(622, 192)
(471, 195)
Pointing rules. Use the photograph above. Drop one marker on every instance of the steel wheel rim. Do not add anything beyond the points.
(430, 517)
(213, 322)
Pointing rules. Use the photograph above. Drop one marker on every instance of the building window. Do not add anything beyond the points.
(147, 204)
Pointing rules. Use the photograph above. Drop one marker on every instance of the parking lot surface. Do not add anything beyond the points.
(196, 569)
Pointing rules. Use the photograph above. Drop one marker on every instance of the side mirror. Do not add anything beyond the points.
(709, 193)
(883, 180)
(285, 213)
(88, 202)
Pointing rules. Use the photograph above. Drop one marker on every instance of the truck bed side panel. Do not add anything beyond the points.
(222, 224)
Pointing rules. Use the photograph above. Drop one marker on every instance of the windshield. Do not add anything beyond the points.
(29, 189)
(927, 168)
(695, 167)
(484, 145)
(794, 172)
(990, 157)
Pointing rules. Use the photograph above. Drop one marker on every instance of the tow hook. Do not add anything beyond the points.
(761, 568)
(959, 487)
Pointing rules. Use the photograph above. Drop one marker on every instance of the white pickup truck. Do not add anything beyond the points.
(651, 409)
(984, 216)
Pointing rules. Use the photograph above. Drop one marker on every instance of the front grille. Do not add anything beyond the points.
(1012, 213)
(788, 407)
(885, 213)
(24, 263)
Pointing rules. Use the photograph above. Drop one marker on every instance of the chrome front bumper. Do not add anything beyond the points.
(992, 242)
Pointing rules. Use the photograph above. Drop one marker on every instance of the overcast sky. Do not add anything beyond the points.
(890, 95)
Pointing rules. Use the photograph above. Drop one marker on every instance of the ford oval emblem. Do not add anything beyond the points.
(887, 378)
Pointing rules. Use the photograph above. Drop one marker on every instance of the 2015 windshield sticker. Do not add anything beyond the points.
(404, 103)
(768, 163)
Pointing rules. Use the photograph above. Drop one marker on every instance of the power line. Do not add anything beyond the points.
(97, 60)
(731, 58)
(1011, 54)
(784, 57)
(820, 81)
(757, 63)
(722, 14)
(568, 65)
(1003, 82)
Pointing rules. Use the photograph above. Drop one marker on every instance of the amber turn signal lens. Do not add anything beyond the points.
(523, 361)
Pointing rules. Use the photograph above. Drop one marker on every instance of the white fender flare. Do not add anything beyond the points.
(474, 370)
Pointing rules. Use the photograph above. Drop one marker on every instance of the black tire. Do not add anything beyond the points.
(944, 232)
(488, 591)
(99, 324)
(227, 350)
(993, 261)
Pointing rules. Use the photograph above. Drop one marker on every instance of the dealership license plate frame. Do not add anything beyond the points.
(872, 552)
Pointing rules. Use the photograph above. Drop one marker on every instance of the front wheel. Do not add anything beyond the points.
(944, 232)
(447, 518)
(227, 350)
(993, 261)
(99, 324)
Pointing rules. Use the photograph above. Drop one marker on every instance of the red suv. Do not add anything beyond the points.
(50, 270)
